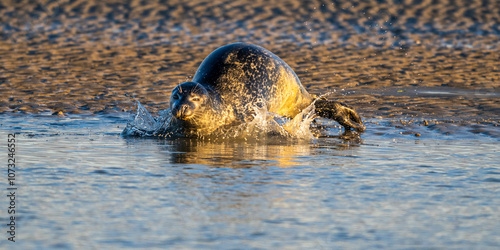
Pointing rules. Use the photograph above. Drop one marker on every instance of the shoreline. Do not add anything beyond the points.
(93, 56)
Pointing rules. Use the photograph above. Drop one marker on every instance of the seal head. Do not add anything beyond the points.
(196, 109)
(188, 100)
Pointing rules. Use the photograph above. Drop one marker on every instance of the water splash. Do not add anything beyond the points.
(144, 124)
(262, 125)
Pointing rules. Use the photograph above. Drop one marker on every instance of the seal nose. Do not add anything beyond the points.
(184, 112)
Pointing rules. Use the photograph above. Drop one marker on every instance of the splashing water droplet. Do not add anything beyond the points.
(261, 125)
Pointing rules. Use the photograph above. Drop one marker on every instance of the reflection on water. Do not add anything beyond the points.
(236, 154)
(84, 186)
(425, 174)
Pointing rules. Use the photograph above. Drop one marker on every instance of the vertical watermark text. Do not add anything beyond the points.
(11, 187)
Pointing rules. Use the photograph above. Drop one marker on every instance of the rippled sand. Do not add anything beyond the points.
(424, 74)
(402, 59)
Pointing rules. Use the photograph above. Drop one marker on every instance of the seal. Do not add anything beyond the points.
(236, 78)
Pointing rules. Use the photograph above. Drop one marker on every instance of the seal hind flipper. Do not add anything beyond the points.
(342, 113)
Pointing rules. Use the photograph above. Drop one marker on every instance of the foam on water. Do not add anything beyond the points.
(264, 123)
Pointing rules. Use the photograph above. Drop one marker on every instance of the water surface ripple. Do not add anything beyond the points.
(81, 185)
(424, 75)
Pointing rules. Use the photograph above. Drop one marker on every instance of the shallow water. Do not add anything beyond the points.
(81, 185)
(424, 75)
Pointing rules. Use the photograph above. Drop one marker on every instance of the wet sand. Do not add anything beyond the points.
(423, 74)
(389, 59)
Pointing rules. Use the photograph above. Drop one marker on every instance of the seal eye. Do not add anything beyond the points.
(175, 97)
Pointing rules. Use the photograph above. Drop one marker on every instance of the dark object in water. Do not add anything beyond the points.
(236, 79)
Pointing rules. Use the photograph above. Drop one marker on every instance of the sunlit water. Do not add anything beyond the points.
(261, 124)
(424, 175)
(82, 185)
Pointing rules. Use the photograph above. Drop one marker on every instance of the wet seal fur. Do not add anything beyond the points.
(235, 79)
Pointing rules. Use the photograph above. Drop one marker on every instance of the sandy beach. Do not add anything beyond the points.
(386, 58)
(423, 74)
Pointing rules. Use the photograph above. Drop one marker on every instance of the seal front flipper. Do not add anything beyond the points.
(343, 114)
